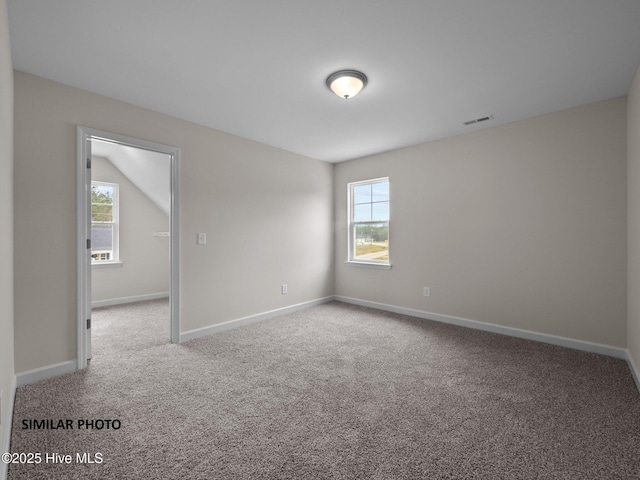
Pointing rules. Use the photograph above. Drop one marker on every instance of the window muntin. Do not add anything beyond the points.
(369, 214)
(104, 223)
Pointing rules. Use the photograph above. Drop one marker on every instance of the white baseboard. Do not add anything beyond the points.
(37, 374)
(122, 300)
(634, 369)
(6, 428)
(490, 327)
(219, 327)
(42, 373)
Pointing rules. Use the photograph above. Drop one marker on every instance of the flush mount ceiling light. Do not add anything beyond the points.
(346, 83)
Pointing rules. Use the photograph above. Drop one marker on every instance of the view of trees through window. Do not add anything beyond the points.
(103, 221)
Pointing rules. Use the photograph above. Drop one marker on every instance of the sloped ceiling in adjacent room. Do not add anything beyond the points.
(149, 171)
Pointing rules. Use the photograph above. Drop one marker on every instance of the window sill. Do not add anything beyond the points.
(106, 265)
(384, 266)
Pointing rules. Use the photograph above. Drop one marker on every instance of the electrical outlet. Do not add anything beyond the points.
(284, 289)
(427, 292)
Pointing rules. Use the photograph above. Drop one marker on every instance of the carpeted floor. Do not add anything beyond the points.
(332, 392)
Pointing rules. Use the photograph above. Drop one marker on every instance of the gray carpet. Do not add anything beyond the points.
(333, 392)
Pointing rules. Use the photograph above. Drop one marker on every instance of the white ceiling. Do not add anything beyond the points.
(257, 68)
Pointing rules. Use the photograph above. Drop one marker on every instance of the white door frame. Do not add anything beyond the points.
(83, 192)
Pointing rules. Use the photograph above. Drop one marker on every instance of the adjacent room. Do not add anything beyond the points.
(130, 228)
(348, 239)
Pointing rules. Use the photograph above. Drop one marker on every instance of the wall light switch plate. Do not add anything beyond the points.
(427, 291)
(284, 289)
(202, 239)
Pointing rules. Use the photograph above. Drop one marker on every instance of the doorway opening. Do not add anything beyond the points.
(127, 250)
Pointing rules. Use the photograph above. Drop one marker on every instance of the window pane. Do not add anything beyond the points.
(362, 194)
(372, 242)
(101, 193)
(102, 203)
(380, 192)
(101, 238)
(381, 211)
(101, 213)
(362, 213)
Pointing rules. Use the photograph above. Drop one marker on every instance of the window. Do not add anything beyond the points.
(369, 221)
(104, 223)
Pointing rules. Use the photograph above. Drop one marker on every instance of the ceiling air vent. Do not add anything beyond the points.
(478, 120)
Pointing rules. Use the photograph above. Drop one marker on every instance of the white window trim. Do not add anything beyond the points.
(383, 264)
(107, 265)
(115, 260)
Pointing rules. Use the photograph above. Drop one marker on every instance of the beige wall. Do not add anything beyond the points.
(267, 214)
(145, 258)
(633, 174)
(7, 376)
(521, 225)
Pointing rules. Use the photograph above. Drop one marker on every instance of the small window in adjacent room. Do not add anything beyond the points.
(104, 223)
(369, 222)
